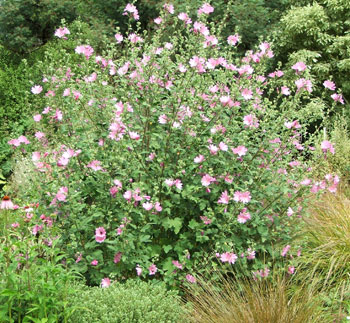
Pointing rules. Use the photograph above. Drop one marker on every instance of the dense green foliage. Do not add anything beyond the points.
(317, 32)
(134, 301)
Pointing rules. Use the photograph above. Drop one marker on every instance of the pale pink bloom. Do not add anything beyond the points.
(199, 159)
(290, 211)
(329, 85)
(337, 98)
(206, 8)
(302, 83)
(299, 67)
(210, 40)
(152, 269)
(119, 38)
(37, 228)
(169, 182)
(305, 182)
(240, 150)
(147, 206)
(113, 191)
(24, 140)
(251, 254)
(106, 282)
(243, 216)
(285, 250)
(207, 179)
(177, 264)
(117, 257)
(37, 117)
(200, 27)
(205, 220)
(293, 124)
(138, 270)
(291, 270)
(243, 197)
(94, 262)
(133, 10)
(168, 46)
(158, 20)
(213, 149)
(184, 17)
(191, 279)
(6, 203)
(223, 146)
(61, 32)
(100, 234)
(46, 110)
(86, 50)
(36, 156)
(163, 119)
(285, 90)
(95, 165)
(224, 198)
(229, 257)
(233, 39)
(250, 121)
(327, 146)
(14, 142)
(178, 184)
(14, 225)
(247, 94)
(134, 135)
(58, 115)
(169, 8)
(36, 89)
(78, 256)
(158, 207)
(66, 92)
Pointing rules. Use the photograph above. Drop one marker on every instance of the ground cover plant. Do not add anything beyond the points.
(162, 153)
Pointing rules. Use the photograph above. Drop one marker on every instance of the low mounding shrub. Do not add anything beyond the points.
(164, 153)
(134, 301)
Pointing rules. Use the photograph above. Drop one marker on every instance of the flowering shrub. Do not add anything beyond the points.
(165, 154)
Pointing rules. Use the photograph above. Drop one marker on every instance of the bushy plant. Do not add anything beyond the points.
(157, 156)
(134, 301)
(34, 279)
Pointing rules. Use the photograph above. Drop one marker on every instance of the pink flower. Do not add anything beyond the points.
(106, 282)
(251, 254)
(291, 270)
(299, 67)
(37, 117)
(223, 146)
(293, 124)
(61, 32)
(158, 20)
(240, 151)
(119, 38)
(134, 135)
(178, 184)
(94, 262)
(285, 90)
(6, 203)
(133, 10)
(229, 257)
(158, 207)
(36, 89)
(327, 146)
(207, 179)
(205, 220)
(250, 121)
(152, 269)
(337, 98)
(138, 270)
(95, 165)
(233, 39)
(170, 182)
(243, 197)
(302, 83)
(213, 149)
(243, 216)
(247, 94)
(147, 206)
(184, 17)
(191, 279)
(206, 8)
(177, 264)
(199, 159)
(224, 198)
(86, 50)
(100, 234)
(117, 257)
(169, 7)
(329, 85)
(285, 250)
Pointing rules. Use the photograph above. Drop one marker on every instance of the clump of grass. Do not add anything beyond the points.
(327, 237)
(249, 301)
